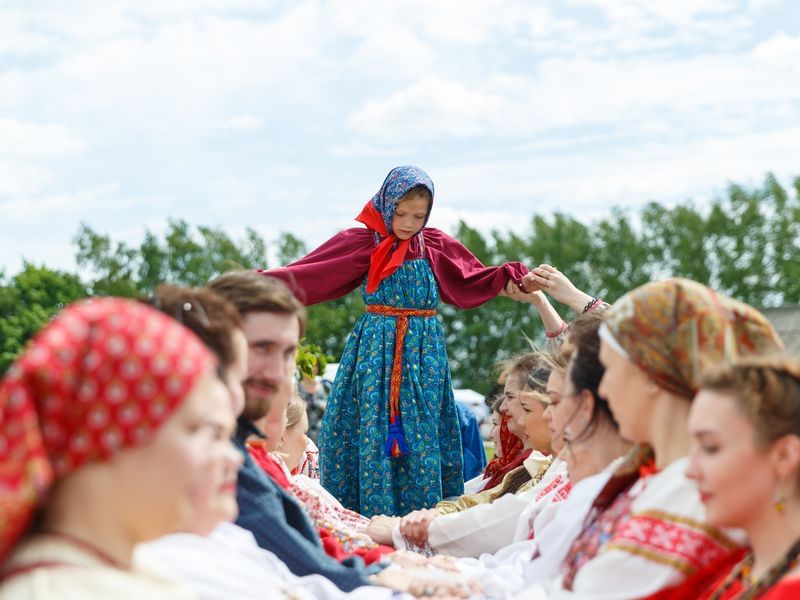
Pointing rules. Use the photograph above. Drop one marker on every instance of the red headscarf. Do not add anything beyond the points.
(511, 448)
(383, 261)
(103, 376)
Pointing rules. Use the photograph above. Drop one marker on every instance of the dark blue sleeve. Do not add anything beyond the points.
(474, 453)
(279, 525)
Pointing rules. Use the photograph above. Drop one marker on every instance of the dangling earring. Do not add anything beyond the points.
(780, 502)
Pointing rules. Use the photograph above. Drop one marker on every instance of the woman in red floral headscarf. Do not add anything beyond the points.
(104, 431)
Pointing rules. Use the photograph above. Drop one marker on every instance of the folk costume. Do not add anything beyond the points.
(389, 442)
(646, 529)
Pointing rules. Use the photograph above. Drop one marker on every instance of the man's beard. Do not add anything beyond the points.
(257, 405)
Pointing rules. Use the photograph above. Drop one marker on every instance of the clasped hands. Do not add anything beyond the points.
(544, 278)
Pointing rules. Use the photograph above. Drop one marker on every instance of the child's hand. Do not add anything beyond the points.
(512, 291)
(529, 282)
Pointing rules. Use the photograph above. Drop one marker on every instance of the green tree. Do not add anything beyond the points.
(186, 256)
(27, 301)
(746, 243)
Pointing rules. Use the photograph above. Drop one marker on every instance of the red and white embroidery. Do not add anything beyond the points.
(562, 494)
(682, 543)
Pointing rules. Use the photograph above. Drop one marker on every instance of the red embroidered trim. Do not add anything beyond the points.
(678, 544)
(558, 481)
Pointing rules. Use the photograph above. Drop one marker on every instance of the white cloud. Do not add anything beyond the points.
(27, 209)
(19, 138)
(287, 115)
(429, 108)
(244, 122)
(17, 178)
(570, 93)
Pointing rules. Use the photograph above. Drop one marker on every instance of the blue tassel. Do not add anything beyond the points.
(395, 445)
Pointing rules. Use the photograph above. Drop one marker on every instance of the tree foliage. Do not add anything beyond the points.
(27, 301)
(745, 243)
(185, 256)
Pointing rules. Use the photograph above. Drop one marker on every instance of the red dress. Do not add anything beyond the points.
(703, 584)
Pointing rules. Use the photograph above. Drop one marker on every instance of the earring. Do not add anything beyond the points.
(780, 502)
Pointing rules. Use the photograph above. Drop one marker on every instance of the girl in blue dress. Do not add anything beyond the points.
(390, 442)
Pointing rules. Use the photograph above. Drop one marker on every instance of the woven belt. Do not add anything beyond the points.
(395, 445)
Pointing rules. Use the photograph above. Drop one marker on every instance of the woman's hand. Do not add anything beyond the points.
(556, 284)
(414, 526)
(422, 583)
(380, 529)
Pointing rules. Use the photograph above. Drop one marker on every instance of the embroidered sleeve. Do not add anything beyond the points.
(463, 280)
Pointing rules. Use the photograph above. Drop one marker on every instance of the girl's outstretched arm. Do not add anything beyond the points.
(464, 281)
(331, 271)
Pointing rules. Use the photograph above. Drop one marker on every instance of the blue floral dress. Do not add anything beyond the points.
(353, 463)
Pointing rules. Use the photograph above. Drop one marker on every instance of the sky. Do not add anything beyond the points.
(286, 116)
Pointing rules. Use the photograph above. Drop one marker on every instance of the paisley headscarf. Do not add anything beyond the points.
(675, 329)
(377, 215)
(103, 376)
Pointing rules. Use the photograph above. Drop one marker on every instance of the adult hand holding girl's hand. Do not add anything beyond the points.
(511, 290)
(556, 284)
(414, 526)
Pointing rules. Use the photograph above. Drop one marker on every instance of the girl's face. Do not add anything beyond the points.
(498, 447)
(294, 442)
(158, 483)
(409, 214)
(511, 405)
(723, 449)
(629, 393)
(532, 421)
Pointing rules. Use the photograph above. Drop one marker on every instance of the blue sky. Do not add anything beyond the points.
(286, 116)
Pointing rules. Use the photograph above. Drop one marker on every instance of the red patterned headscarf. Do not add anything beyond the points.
(511, 448)
(103, 376)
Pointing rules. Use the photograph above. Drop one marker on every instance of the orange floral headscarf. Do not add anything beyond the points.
(103, 376)
(675, 329)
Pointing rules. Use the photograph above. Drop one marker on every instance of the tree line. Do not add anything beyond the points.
(745, 243)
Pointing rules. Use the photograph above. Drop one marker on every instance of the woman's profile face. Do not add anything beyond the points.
(532, 422)
(498, 446)
(628, 391)
(511, 405)
(734, 475)
(556, 410)
(156, 484)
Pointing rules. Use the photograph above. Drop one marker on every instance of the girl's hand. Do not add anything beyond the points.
(529, 283)
(512, 291)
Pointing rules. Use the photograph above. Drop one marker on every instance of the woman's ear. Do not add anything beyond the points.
(785, 457)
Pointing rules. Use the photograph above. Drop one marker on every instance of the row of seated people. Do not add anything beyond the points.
(653, 453)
